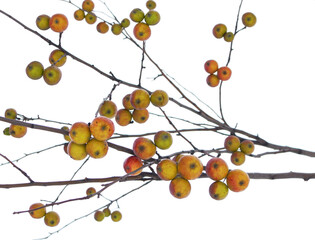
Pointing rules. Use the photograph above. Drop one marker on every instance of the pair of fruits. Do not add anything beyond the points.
(58, 22)
(138, 102)
(52, 74)
(216, 74)
(38, 210)
(142, 30)
(16, 131)
(89, 139)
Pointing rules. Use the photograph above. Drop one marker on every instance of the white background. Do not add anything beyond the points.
(270, 94)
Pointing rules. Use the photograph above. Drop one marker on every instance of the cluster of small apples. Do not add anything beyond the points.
(89, 139)
(38, 210)
(220, 30)
(52, 74)
(216, 74)
(16, 131)
(142, 30)
(106, 212)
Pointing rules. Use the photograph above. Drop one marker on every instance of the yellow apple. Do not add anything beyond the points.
(80, 132)
(163, 140)
(180, 187)
(38, 213)
(52, 219)
(96, 148)
(34, 70)
(166, 169)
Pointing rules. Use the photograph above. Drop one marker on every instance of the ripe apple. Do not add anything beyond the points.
(52, 75)
(229, 36)
(219, 30)
(38, 213)
(58, 22)
(211, 66)
(76, 151)
(180, 187)
(213, 80)
(144, 148)
(79, 15)
(140, 115)
(107, 109)
(131, 164)
(224, 73)
(90, 18)
(102, 27)
(34, 70)
(159, 98)
(96, 148)
(102, 128)
(123, 117)
(150, 4)
(140, 99)
(142, 31)
(88, 5)
(217, 169)
(249, 19)
(238, 158)
(42, 22)
(116, 29)
(237, 180)
(125, 23)
(107, 212)
(80, 132)
(17, 131)
(166, 169)
(136, 15)
(99, 215)
(152, 17)
(57, 58)
(126, 102)
(116, 216)
(10, 113)
(52, 219)
(189, 167)
(163, 140)
(90, 191)
(218, 190)
(232, 143)
(247, 147)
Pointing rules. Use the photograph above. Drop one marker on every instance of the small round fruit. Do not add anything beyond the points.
(249, 19)
(102, 27)
(99, 215)
(238, 158)
(224, 73)
(136, 15)
(140, 115)
(108, 109)
(218, 190)
(189, 167)
(125, 23)
(144, 148)
(96, 149)
(88, 5)
(166, 169)
(116, 29)
(150, 4)
(42, 22)
(116, 216)
(79, 15)
(152, 17)
(217, 169)
(17, 131)
(159, 98)
(90, 191)
(163, 140)
(131, 164)
(142, 31)
(52, 219)
(52, 75)
(58, 22)
(34, 70)
(237, 180)
(140, 99)
(213, 80)
(107, 212)
(80, 132)
(90, 18)
(10, 113)
(57, 58)
(6, 131)
(247, 147)
(39, 213)
(180, 187)
(219, 30)
(232, 143)
(211, 66)
(126, 102)
(76, 151)
(229, 36)
(123, 117)
(102, 128)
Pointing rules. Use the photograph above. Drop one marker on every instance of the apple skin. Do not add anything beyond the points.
(247, 147)
(238, 158)
(189, 167)
(17, 131)
(126, 102)
(140, 116)
(116, 216)
(219, 30)
(180, 187)
(224, 73)
(10, 113)
(34, 70)
(52, 75)
(217, 169)
(39, 213)
(90, 191)
(237, 180)
(159, 98)
(136, 15)
(142, 31)
(131, 164)
(52, 219)
(140, 99)
(96, 148)
(90, 18)
(218, 190)
(76, 151)
(232, 143)
(58, 22)
(107, 212)
(88, 5)
(152, 17)
(57, 58)
(123, 117)
(102, 128)
(163, 140)
(102, 27)
(166, 169)
(212, 80)
(79, 14)
(80, 132)
(108, 109)
(150, 4)
(42, 22)
(99, 216)
(144, 148)
(211, 66)
(249, 19)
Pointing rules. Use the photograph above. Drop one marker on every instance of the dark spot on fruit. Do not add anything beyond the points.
(97, 153)
(143, 118)
(215, 166)
(241, 183)
(141, 148)
(160, 99)
(108, 111)
(141, 34)
(216, 196)
(50, 74)
(52, 222)
(73, 133)
(178, 194)
(236, 160)
(57, 21)
(103, 128)
(224, 72)
(192, 166)
(138, 101)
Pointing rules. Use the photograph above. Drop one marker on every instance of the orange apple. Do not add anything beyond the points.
(140, 99)
(76, 151)
(107, 109)
(58, 22)
(159, 98)
(96, 148)
(102, 128)
(144, 148)
(80, 132)
(218, 190)
(52, 219)
(131, 164)
(238, 158)
(17, 131)
(237, 180)
(140, 115)
(217, 169)
(224, 73)
(102, 27)
(163, 140)
(232, 143)
(123, 117)
(211, 66)
(38, 213)
(90, 191)
(88, 5)
(247, 147)
(190, 167)
(180, 187)
(126, 102)
(142, 31)
(166, 169)
(219, 30)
